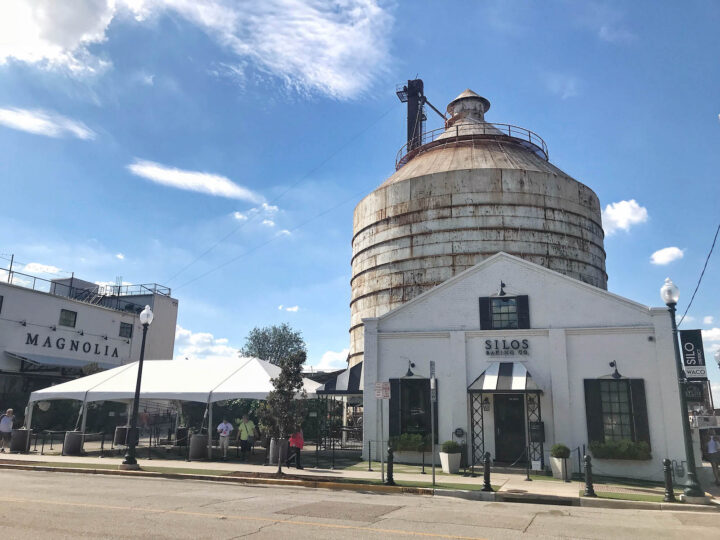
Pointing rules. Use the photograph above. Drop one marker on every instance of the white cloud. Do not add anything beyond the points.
(603, 19)
(713, 334)
(709, 319)
(268, 222)
(54, 34)
(119, 256)
(623, 215)
(37, 268)
(332, 48)
(666, 255)
(333, 360)
(201, 345)
(284, 232)
(239, 216)
(202, 182)
(561, 84)
(688, 318)
(615, 34)
(715, 389)
(291, 309)
(41, 122)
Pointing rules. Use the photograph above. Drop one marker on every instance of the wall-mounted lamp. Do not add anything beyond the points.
(53, 328)
(486, 405)
(23, 323)
(81, 332)
(502, 289)
(105, 338)
(409, 371)
(616, 373)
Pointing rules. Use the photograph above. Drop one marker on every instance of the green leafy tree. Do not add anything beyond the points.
(273, 343)
(283, 411)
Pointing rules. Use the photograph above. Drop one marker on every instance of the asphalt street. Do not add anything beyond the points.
(63, 505)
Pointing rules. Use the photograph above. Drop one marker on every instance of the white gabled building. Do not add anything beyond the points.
(51, 330)
(522, 371)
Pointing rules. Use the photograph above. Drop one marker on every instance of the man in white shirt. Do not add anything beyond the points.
(6, 425)
(224, 429)
(713, 450)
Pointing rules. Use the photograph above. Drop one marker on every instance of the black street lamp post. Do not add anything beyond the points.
(146, 318)
(670, 295)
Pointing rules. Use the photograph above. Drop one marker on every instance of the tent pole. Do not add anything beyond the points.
(83, 425)
(28, 423)
(210, 427)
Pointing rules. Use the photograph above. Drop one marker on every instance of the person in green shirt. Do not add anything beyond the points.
(246, 436)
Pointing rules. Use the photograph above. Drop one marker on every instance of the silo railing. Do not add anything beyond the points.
(463, 132)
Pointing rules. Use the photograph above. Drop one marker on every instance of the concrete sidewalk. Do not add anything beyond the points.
(507, 484)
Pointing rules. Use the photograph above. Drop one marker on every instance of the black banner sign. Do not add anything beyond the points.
(693, 354)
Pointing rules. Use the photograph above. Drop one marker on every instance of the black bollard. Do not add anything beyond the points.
(487, 486)
(369, 456)
(423, 460)
(589, 490)
(669, 493)
(390, 481)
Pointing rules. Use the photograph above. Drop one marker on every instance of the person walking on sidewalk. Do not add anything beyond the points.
(6, 426)
(224, 429)
(713, 450)
(296, 444)
(246, 436)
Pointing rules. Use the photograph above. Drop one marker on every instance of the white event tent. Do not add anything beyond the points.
(205, 381)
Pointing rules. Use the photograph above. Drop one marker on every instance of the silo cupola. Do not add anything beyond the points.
(467, 105)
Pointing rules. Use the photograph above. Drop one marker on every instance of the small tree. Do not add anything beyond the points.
(282, 413)
(273, 343)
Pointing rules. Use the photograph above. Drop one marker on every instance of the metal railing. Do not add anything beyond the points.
(134, 290)
(476, 130)
(95, 296)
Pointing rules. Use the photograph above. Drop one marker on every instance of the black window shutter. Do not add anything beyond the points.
(394, 423)
(639, 410)
(593, 411)
(523, 311)
(485, 320)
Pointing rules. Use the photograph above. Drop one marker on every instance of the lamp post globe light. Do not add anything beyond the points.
(146, 318)
(670, 294)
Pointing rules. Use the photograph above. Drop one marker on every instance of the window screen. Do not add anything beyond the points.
(126, 330)
(67, 318)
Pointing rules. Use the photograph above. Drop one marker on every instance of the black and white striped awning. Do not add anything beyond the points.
(347, 382)
(504, 377)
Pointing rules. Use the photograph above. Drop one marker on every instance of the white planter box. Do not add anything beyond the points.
(560, 467)
(450, 462)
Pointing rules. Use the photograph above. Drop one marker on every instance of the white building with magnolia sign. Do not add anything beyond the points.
(51, 331)
(523, 359)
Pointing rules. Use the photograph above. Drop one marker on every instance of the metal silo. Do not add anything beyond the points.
(459, 195)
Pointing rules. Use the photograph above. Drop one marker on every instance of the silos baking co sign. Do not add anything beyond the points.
(693, 354)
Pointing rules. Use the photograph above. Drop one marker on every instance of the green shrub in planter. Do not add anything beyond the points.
(451, 447)
(622, 449)
(560, 451)
(408, 442)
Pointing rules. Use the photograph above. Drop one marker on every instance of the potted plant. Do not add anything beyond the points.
(450, 457)
(558, 461)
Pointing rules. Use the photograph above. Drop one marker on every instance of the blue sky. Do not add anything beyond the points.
(143, 136)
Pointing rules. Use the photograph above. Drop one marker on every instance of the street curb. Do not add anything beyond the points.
(314, 484)
(497, 496)
(591, 502)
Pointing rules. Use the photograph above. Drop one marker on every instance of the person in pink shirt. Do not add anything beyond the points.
(296, 445)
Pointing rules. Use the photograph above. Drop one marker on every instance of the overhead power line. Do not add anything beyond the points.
(285, 192)
(701, 275)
